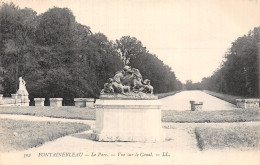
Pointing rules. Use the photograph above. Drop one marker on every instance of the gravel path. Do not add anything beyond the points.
(181, 101)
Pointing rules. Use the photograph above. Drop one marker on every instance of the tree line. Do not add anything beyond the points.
(59, 57)
(239, 71)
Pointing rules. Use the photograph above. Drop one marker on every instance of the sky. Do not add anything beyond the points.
(191, 36)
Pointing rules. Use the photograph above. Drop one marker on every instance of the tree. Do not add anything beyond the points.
(17, 32)
(239, 72)
(56, 27)
(133, 53)
(129, 48)
(59, 57)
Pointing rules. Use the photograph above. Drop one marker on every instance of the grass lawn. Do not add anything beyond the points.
(162, 95)
(71, 112)
(229, 98)
(211, 116)
(21, 135)
(237, 137)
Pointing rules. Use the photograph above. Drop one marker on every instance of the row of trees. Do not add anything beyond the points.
(58, 57)
(240, 69)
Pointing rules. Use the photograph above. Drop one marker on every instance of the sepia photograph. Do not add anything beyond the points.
(167, 82)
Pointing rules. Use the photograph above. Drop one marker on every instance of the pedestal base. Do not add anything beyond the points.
(56, 102)
(196, 105)
(128, 120)
(248, 103)
(80, 102)
(39, 101)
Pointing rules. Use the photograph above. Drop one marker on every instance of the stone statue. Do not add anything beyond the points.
(128, 82)
(108, 87)
(22, 88)
(147, 88)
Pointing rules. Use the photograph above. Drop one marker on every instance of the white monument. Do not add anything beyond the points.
(23, 93)
(127, 110)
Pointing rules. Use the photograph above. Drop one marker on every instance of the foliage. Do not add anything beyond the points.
(58, 57)
(192, 86)
(129, 48)
(135, 54)
(162, 95)
(17, 31)
(229, 98)
(239, 71)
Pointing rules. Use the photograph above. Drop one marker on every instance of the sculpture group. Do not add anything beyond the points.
(127, 109)
(127, 81)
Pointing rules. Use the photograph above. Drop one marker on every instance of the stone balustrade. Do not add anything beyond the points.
(90, 102)
(1, 98)
(247, 103)
(196, 105)
(84, 102)
(24, 99)
(80, 102)
(14, 96)
(56, 102)
(39, 101)
(11, 101)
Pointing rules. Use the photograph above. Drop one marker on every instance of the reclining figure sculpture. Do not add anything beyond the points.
(128, 81)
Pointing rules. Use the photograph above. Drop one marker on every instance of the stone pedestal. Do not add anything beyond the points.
(128, 120)
(196, 105)
(1, 99)
(14, 96)
(56, 102)
(90, 102)
(247, 103)
(39, 101)
(80, 102)
(24, 99)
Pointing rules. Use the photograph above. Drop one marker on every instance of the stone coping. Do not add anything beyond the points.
(90, 99)
(126, 104)
(248, 100)
(56, 99)
(196, 102)
(14, 96)
(84, 99)
(131, 96)
(22, 95)
(80, 99)
(39, 99)
(9, 100)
